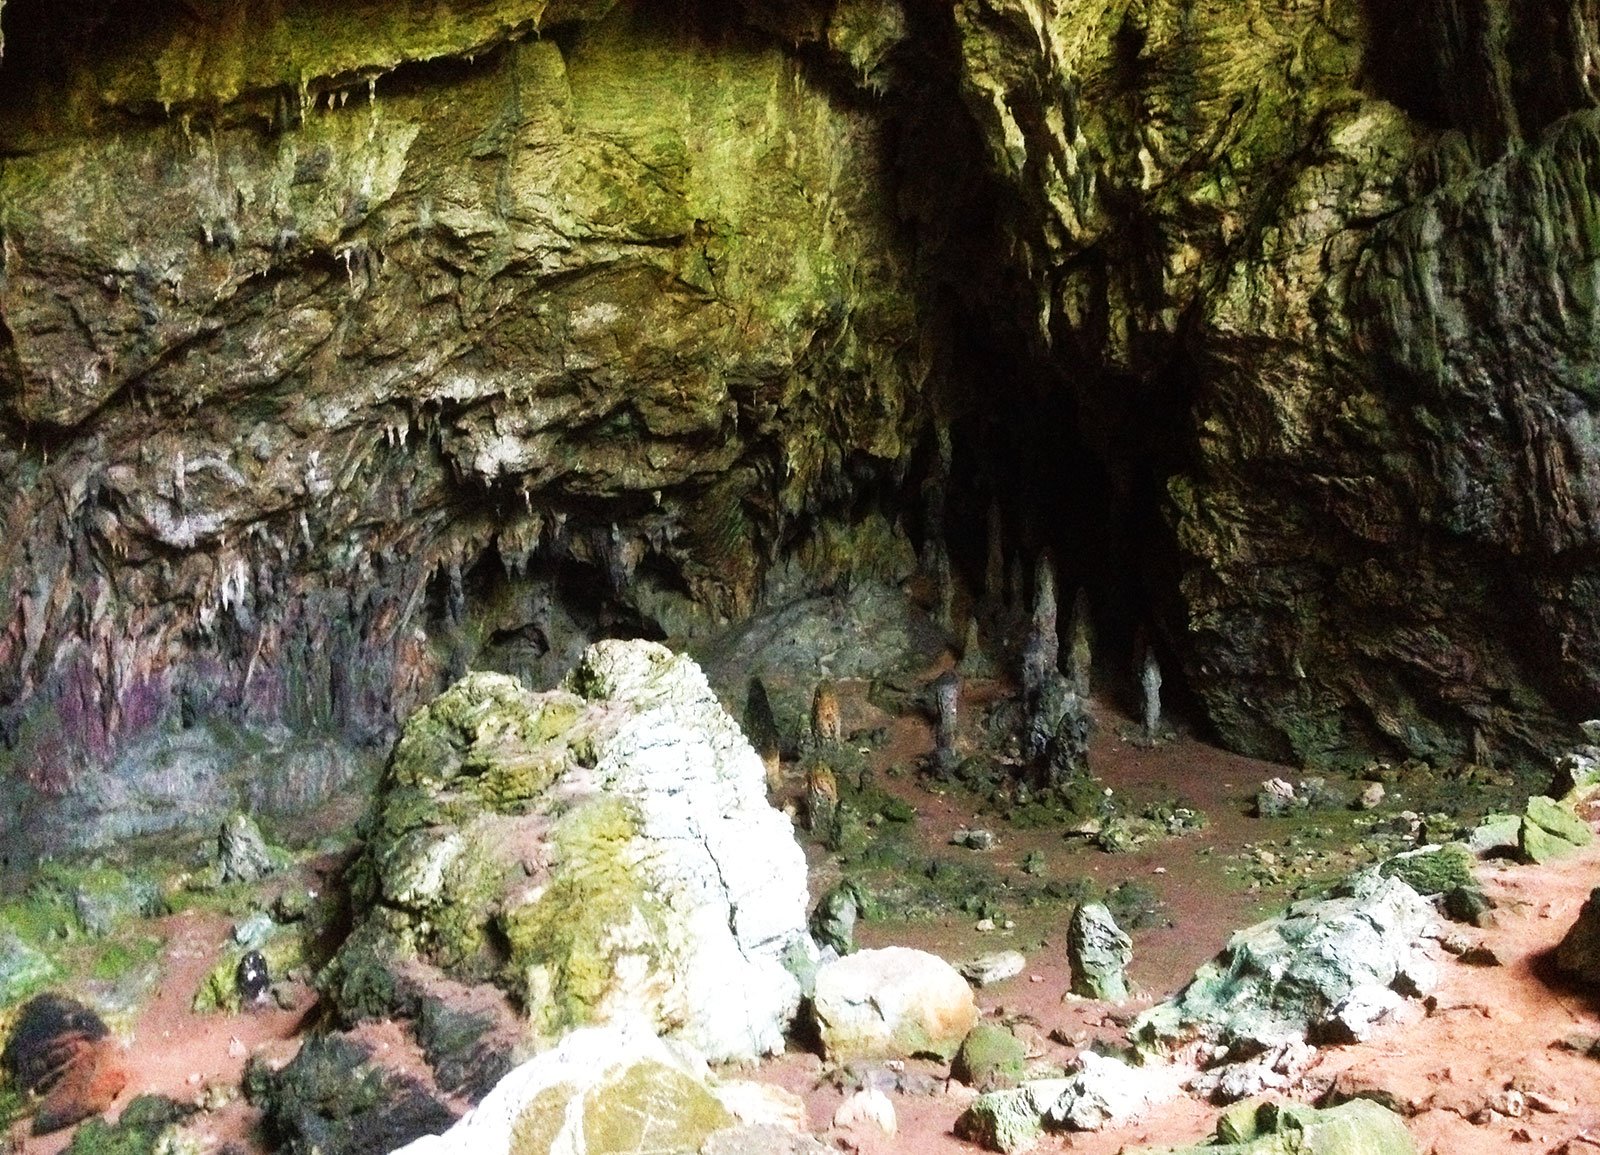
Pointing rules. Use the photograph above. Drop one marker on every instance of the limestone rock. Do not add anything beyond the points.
(335, 1097)
(24, 968)
(1005, 1121)
(994, 967)
(1282, 979)
(1106, 1092)
(1579, 951)
(1103, 1092)
(243, 854)
(602, 1091)
(1099, 952)
(1359, 1127)
(991, 1058)
(1551, 830)
(614, 833)
(833, 922)
(1432, 869)
(892, 1003)
(867, 1108)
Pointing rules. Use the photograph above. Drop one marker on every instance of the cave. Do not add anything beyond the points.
(1236, 361)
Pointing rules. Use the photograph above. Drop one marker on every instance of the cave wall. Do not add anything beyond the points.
(1327, 270)
(314, 315)
(339, 345)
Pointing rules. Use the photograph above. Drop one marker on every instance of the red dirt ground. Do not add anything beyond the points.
(1490, 1028)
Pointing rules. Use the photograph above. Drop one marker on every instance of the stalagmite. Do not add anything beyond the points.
(1150, 681)
(1042, 648)
(947, 698)
(1080, 657)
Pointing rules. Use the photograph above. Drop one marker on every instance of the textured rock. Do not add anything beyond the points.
(892, 1003)
(603, 1091)
(991, 1058)
(346, 348)
(1098, 952)
(994, 967)
(439, 333)
(1283, 979)
(1106, 1092)
(243, 854)
(1103, 1092)
(614, 835)
(1551, 830)
(334, 1097)
(1359, 1127)
(1579, 951)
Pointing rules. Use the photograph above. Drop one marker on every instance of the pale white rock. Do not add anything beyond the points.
(542, 1106)
(867, 1108)
(994, 967)
(717, 850)
(1106, 1092)
(762, 1105)
(892, 1003)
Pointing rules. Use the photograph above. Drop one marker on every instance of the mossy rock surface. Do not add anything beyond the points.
(599, 849)
(1434, 871)
(1359, 1127)
(991, 1058)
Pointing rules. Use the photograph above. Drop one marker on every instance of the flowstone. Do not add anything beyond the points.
(600, 850)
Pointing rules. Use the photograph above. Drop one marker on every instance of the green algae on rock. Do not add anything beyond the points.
(597, 850)
(1359, 1127)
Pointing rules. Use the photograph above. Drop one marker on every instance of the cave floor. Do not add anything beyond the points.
(1487, 1029)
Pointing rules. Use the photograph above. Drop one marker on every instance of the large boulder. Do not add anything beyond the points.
(1101, 1092)
(1359, 1127)
(1579, 952)
(1286, 979)
(604, 1091)
(600, 850)
(891, 1004)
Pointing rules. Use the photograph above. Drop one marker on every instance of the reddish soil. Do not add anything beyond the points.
(1489, 1029)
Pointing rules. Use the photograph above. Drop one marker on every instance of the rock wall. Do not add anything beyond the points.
(331, 335)
(341, 348)
(1322, 277)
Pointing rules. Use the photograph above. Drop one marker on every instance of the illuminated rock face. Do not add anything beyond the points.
(344, 348)
(603, 852)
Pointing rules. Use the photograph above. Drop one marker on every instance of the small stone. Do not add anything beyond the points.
(1547, 1104)
(1004, 1121)
(1579, 951)
(833, 922)
(867, 1108)
(253, 931)
(1481, 956)
(984, 925)
(994, 967)
(1275, 799)
(1551, 830)
(242, 852)
(1469, 904)
(1511, 1103)
(973, 839)
(1371, 796)
(251, 978)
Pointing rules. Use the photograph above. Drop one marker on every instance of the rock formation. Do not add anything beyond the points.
(344, 349)
(600, 851)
